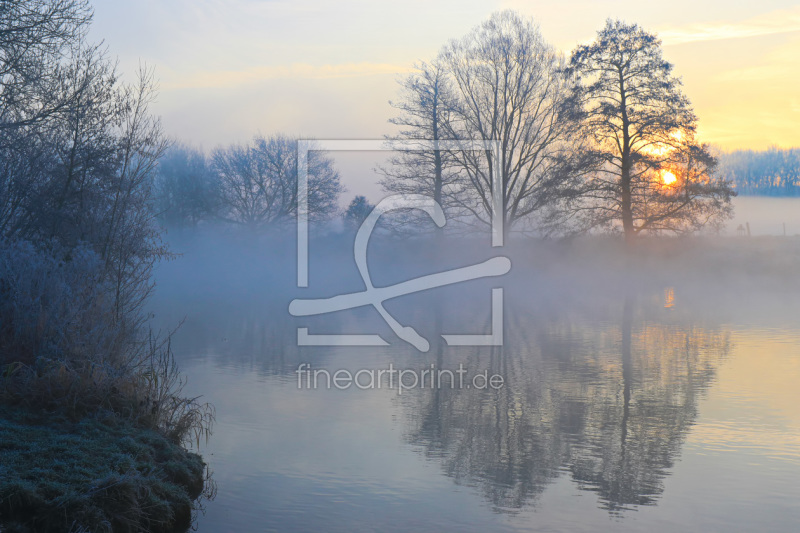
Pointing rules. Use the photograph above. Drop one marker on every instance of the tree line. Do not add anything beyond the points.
(772, 172)
(253, 185)
(602, 139)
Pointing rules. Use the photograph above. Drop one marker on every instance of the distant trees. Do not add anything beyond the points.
(258, 182)
(186, 191)
(358, 210)
(650, 174)
(252, 185)
(772, 172)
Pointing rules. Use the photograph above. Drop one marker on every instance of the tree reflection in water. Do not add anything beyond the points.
(607, 402)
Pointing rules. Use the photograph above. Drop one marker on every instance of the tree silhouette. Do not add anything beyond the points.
(358, 210)
(651, 174)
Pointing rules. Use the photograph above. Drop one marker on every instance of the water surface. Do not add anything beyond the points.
(666, 400)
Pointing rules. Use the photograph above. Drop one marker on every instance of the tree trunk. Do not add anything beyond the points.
(625, 163)
(437, 161)
(626, 206)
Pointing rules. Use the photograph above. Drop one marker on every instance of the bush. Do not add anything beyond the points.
(62, 346)
(105, 448)
(52, 305)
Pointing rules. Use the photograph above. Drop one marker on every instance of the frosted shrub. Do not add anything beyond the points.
(63, 345)
(53, 306)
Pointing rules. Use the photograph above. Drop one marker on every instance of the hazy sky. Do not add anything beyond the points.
(229, 69)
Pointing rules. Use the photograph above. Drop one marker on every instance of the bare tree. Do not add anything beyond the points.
(35, 88)
(83, 139)
(258, 182)
(509, 86)
(34, 37)
(82, 176)
(132, 244)
(424, 107)
(358, 210)
(651, 173)
(185, 189)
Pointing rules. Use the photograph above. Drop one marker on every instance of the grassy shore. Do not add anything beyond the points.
(98, 473)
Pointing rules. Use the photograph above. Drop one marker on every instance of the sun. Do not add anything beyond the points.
(668, 178)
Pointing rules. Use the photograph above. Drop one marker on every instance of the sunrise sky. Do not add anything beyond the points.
(229, 69)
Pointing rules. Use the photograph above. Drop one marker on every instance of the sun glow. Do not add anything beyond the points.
(668, 178)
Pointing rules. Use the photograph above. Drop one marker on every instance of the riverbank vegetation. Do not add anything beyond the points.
(94, 428)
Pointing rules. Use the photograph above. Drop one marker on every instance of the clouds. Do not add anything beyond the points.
(772, 23)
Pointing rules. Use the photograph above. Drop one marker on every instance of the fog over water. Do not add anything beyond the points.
(652, 389)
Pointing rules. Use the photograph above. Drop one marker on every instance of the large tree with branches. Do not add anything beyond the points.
(650, 172)
(509, 87)
(257, 182)
(500, 83)
(422, 167)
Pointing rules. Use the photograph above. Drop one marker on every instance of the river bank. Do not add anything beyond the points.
(96, 473)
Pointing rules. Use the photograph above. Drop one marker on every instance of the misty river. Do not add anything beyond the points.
(658, 396)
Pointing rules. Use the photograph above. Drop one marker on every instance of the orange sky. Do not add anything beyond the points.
(231, 68)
